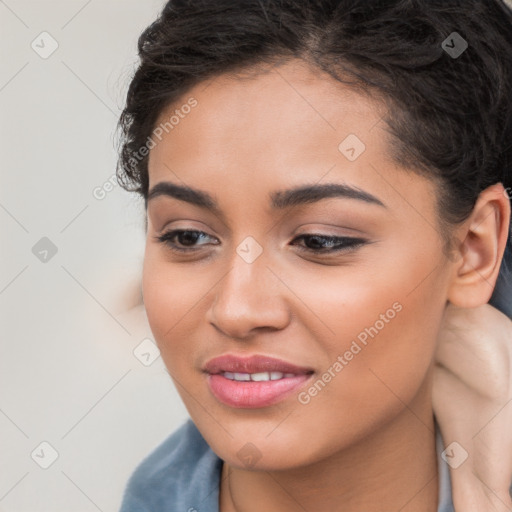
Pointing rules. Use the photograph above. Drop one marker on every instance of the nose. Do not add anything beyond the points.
(250, 298)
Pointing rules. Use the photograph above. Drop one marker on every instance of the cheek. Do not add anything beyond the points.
(389, 328)
(172, 297)
(380, 342)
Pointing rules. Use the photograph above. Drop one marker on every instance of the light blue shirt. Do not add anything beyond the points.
(183, 475)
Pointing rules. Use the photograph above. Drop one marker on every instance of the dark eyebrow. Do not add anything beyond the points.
(279, 200)
(183, 193)
(312, 193)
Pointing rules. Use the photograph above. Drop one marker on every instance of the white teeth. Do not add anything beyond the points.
(260, 376)
(257, 377)
(242, 376)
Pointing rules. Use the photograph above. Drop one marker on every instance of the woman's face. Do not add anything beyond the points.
(359, 323)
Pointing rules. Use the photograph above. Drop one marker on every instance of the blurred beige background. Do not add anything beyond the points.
(84, 395)
(69, 376)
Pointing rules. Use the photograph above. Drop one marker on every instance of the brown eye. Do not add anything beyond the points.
(317, 243)
(186, 238)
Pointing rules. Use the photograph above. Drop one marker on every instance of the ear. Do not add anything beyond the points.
(484, 237)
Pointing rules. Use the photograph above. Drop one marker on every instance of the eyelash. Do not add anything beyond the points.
(344, 243)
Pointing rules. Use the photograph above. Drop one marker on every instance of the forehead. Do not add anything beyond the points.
(287, 126)
(276, 113)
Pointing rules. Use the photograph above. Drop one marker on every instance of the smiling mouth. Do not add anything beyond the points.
(253, 382)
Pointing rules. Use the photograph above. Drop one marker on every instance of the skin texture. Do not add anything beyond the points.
(366, 440)
(472, 397)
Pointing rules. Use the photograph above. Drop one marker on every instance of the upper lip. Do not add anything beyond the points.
(252, 364)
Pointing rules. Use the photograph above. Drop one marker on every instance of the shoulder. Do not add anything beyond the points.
(175, 475)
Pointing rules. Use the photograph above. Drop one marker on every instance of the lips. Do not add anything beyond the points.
(252, 364)
(253, 382)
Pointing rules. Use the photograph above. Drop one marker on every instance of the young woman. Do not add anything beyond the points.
(326, 188)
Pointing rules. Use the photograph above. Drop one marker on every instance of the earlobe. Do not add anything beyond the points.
(484, 236)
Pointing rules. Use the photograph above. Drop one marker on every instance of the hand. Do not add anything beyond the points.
(472, 399)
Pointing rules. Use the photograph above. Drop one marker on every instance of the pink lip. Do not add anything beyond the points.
(250, 394)
(252, 364)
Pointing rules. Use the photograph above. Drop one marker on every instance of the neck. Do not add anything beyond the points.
(395, 468)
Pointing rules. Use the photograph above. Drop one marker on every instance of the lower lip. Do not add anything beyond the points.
(252, 395)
